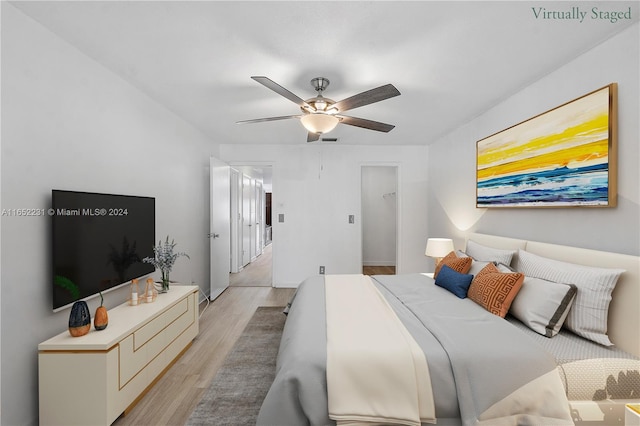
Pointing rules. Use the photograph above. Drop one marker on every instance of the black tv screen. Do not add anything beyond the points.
(99, 241)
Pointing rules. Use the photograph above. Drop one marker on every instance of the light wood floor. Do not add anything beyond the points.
(172, 399)
(257, 273)
(379, 270)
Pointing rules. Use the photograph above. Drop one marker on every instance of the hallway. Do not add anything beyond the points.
(257, 273)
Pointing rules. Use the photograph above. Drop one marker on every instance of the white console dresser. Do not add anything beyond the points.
(93, 379)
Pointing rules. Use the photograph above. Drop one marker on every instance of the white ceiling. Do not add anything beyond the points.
(450, 60)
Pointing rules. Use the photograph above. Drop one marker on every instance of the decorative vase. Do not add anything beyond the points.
(150, 292)
(134, 300)
(101, 318)
(165, 282)
(79, 319)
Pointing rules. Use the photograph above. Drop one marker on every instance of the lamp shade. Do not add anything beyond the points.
(319, 123)
(438, 247)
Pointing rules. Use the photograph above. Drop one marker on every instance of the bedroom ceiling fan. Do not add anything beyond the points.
(321, 115)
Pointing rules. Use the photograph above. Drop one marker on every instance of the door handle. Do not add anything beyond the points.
(212, 235)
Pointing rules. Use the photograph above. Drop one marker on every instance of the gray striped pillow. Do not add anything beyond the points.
(489, 254)
(588, 315)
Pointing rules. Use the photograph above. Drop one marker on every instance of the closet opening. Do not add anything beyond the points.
(379, 194)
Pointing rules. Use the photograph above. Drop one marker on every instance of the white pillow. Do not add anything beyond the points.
(588, 315)
(543, 305)
(476, 266)
(489, 254)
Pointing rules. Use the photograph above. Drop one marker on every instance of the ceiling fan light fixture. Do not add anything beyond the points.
(320, 105)
(319, 123)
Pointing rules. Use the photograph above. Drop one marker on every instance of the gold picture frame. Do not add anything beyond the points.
(564, 157)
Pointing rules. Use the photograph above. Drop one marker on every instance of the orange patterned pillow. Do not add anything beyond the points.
(494, 290)
(458, 264)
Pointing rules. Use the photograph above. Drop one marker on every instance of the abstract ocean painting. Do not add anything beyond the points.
(564, 157)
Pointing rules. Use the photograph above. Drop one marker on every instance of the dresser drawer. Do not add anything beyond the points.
(147, 332)
(145, 344)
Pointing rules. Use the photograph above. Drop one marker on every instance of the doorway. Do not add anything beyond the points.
(379, 194)
(251, 249)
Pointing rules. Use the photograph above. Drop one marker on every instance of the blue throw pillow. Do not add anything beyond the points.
(454, 281)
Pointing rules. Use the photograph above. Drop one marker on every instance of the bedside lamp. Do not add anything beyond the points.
(438, 248)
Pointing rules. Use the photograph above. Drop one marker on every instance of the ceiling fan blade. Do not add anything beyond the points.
(261, 120)
(267, 82)
(312, 137)
(366, 124)
(365, 98)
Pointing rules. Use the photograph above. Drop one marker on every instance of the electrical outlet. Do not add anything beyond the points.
(322, 270)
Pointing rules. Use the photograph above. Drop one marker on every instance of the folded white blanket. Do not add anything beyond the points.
(376, 372)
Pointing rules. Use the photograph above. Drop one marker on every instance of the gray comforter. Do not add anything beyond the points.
(475, 359)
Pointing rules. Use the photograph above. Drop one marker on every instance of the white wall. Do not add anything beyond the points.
(68, 123)
(317, 186)
(452, 164)
(379, 215)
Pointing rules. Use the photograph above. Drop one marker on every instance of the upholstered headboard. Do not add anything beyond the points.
(624, 310)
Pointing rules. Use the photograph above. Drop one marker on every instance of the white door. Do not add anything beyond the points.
(252, 218)
(259, 219)
(220, 227)
(246, 220)
(236, 220)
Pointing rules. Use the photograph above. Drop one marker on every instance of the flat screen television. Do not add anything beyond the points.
(99, 241)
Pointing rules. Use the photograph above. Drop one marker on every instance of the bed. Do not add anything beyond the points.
(482, 368)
